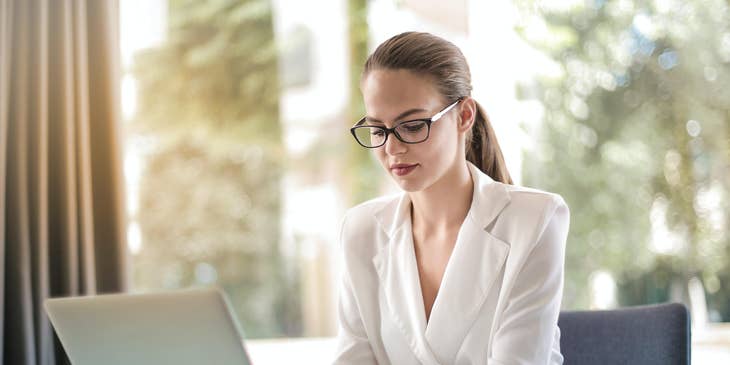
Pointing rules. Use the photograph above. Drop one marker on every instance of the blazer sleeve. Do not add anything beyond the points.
(352, 345)
(528, 325)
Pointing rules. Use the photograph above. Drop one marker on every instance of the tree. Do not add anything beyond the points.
(210, 198)
(365, 177)
(636, 137)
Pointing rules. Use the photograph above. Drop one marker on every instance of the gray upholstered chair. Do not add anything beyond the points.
(646, 335)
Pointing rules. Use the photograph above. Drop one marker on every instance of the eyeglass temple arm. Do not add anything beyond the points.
(441, 113)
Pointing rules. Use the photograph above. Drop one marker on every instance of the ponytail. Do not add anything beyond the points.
(483, 149)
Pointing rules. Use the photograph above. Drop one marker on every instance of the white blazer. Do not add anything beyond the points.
(499, 298)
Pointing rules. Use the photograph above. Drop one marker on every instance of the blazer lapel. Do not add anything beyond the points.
(398, 275)
(475, 263)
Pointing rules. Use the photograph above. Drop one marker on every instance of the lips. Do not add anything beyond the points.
(402, 169)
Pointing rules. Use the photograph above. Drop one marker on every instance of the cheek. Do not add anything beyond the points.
(441, 144)
(380, 155)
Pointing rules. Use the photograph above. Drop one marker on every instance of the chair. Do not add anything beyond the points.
(647, 335)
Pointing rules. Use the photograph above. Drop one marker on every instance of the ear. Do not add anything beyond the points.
(467, 114)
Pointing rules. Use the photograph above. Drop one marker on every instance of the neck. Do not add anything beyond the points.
(444, 205)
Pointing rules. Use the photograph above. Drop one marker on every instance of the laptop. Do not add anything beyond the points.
(193, 326)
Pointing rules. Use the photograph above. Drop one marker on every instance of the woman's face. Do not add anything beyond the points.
(394, 96)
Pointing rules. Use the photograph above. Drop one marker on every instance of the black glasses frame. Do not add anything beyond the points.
(389, 131)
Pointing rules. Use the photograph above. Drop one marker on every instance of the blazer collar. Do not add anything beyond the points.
(488, 200)
(474, 265)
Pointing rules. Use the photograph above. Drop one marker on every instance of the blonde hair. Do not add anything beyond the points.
(429, 55)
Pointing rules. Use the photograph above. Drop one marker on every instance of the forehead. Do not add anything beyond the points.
(387, 93)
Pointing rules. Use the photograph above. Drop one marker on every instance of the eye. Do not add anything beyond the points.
(377, 132)
(414, 127)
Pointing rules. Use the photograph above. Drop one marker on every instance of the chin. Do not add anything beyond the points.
(409, 185)
(409, 188)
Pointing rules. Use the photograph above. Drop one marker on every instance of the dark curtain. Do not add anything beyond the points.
(62, 217)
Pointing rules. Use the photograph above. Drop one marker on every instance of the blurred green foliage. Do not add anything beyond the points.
(361, 167)
(210, 199)
(636, 137)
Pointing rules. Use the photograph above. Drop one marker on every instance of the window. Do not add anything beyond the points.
(240, 165)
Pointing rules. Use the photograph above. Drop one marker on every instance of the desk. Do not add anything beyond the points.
(291, 351)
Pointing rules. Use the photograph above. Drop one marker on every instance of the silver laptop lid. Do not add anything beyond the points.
(194, 326)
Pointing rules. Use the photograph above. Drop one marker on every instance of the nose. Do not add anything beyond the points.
(394, 146)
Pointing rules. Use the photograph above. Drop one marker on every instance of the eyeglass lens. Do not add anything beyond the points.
(409, 132)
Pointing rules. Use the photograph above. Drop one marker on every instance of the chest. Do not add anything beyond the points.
(429, 304)
(432, 257)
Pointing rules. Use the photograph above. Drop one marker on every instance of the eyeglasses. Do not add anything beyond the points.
(410, 131)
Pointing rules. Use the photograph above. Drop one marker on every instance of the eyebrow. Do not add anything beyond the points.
(400, 116)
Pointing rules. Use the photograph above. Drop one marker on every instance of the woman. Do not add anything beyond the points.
(462, 267)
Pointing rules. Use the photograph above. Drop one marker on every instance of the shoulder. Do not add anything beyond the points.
(530, 213)
(542, 203)
(512, 201)
(359, 230)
